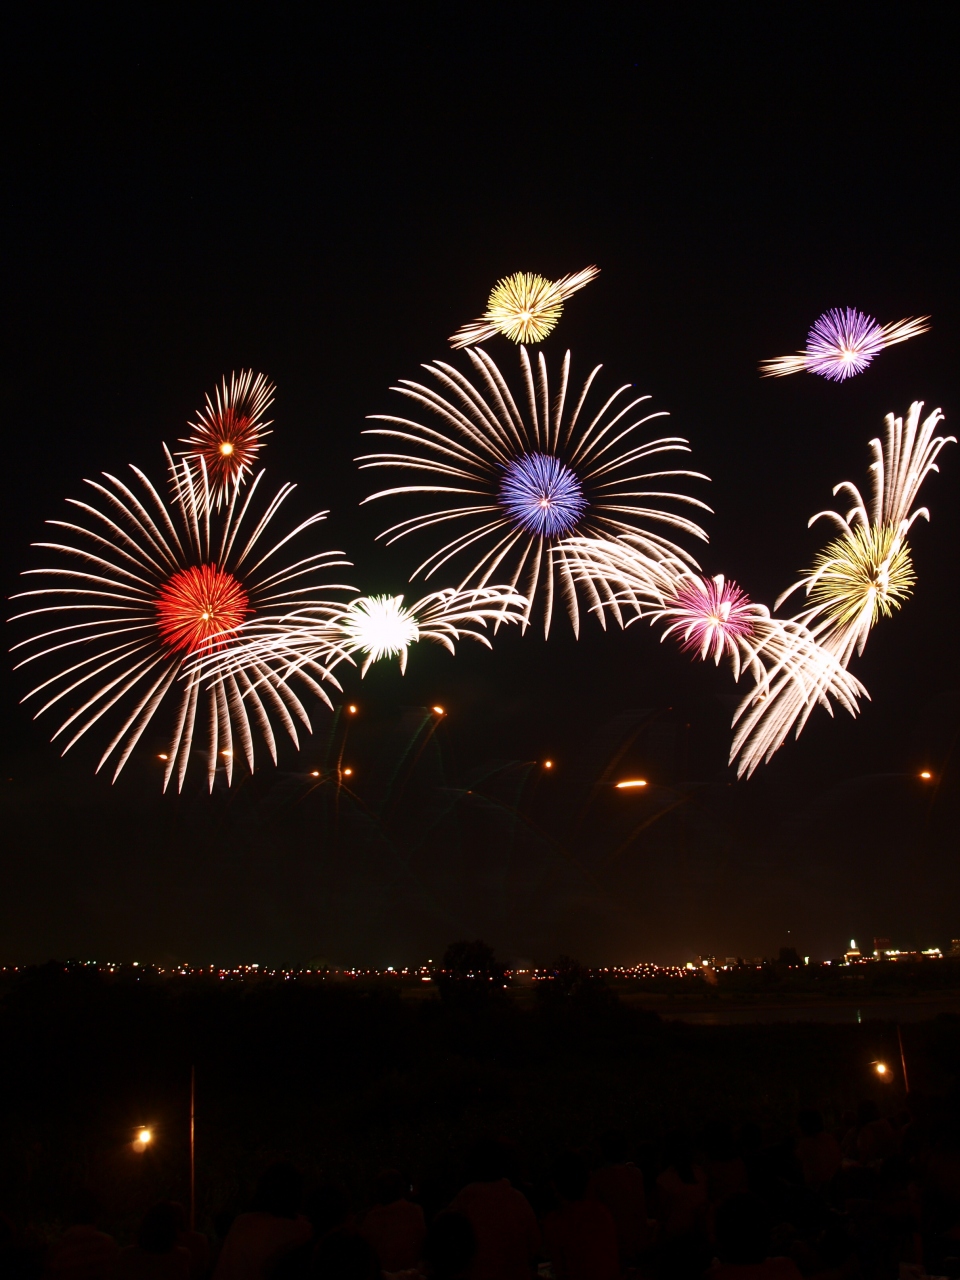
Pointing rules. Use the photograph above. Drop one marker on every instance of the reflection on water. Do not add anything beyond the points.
(879, 1011)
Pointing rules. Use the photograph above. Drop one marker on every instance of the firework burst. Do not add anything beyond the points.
(843, 342)
(229, 431)
(867, 572)
(523, 307)
(378, 627)
(712, 616)
(861, 576)
(524, 481)
(145, 589)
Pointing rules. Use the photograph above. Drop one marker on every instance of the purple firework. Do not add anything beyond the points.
(542, 495)
(843, 342)
(711, 615)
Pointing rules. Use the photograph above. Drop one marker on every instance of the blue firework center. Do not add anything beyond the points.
(542, 494)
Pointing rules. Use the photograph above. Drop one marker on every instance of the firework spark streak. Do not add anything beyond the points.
(524, 480)
(523, 307)
(380, 627)
(843, 342)
(229, 432)
(143, 588)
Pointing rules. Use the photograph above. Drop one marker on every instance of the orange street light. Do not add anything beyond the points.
(439, 711)
(163, 756)
(143, 1139)
(352, 709)
(347, 773)
(630, 783)
(314, 773)
(548, 764)
(926, 775)
(882, 1070)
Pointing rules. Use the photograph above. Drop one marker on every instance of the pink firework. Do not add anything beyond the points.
(714, 616)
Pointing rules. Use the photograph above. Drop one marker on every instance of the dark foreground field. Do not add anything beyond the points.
(345, 1080)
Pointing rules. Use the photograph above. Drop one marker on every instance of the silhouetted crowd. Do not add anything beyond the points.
(878, 1198)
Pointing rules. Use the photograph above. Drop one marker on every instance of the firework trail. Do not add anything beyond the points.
(142, 588)
(379, 627)
(523, 307)
(229, 431)
(843, 342)
(523, 480)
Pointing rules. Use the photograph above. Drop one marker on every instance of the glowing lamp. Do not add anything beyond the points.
(352, 709)
(163, 756)
(882, 1070)
(926, 775)
(143, 1139)
(315, 773)
(548, 764)
(438, 711)
(347, 773)
(631, 782)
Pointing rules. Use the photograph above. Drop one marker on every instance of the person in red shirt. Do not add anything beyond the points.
(818, 1151)
(618, 1184)
(394, 1226)
(258, 1241)
(581, 1237)
(82, 1252)
(504, 1225)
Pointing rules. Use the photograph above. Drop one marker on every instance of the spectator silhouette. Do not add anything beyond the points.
(726, 1169)
(682, 1189)
(875, 1139)
(344, 1255)
(505, 1227)
(818, 1152)
(17, 1260)
(156, 1255)
(450, 1247)
(743, 1243)
(328, 1212)
(83, 1252)
(580, 1237)
(618, 1184)
(393, 1225)
(273, 1227)
(195, 1242)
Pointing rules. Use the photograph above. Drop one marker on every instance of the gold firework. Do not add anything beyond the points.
(863, 575)
(523, 307)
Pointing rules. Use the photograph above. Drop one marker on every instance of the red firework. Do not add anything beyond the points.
(229, 431)
(199, 609)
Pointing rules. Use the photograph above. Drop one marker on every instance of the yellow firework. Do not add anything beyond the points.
(863, 575)
(523, 307)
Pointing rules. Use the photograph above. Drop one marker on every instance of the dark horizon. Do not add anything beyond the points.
(326, 202)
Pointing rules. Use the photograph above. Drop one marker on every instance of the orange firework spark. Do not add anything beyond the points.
(200, 608)
(229, 431)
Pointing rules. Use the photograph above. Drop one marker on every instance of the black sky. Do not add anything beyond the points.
(325, 194)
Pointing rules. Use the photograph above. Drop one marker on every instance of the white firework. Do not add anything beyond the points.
(525, 479)
(382, 626)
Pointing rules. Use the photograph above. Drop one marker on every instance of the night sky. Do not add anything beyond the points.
(325, 194)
